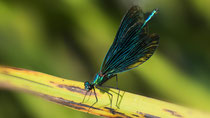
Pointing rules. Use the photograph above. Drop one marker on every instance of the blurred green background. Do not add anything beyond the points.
(69, 39)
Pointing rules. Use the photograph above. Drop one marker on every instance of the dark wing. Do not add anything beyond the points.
(132, 45)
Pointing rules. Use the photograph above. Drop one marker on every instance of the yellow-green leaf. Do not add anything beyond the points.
(71, 93)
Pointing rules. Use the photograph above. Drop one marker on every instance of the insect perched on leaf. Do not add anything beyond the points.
(132, 46)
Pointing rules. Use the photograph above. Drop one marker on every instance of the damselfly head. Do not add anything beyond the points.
(88, 86)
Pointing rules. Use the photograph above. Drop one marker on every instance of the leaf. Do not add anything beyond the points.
(71, 93)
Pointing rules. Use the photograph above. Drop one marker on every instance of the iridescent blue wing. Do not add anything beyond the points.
(138, 55)
(132, 45)
(133, 16)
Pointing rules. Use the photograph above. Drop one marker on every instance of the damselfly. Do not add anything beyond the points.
(132, 46)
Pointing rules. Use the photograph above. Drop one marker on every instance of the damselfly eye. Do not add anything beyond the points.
(87, 85)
